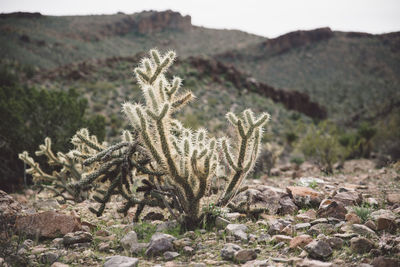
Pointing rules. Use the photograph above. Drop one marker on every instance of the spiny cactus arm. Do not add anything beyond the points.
(82, 137)
(90, 177)
(249, 132)
(35, 170)
(106, 153)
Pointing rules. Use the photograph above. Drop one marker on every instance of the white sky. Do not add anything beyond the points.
(263, 17)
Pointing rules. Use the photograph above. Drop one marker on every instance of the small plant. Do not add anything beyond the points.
(364, 213)
(269, 157)
(313, 184)
(321, 144)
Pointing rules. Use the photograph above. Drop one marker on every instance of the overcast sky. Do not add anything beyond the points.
(262, 17)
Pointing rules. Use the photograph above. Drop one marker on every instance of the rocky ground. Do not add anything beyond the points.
(297, 217)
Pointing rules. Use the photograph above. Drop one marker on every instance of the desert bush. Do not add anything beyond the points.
(268, 158)
(321, 145)
(28, 115)
(161, 163)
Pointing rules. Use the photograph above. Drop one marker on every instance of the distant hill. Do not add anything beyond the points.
(355, 75)
(49, 41)
(348, 76)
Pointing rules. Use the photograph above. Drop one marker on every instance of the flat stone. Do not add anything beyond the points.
(319, 250)
(300, 241)
(349, 198)
(244, 255)
(363, 230)
(121, 261)
(49, 224)
(77, 237)
(170, 255)
(281, 238)
(302, 226)
(346, 236)
(304, 196)
(313, 263)
(307, 216)
(361, 245)
(59, 264)
(321, 228)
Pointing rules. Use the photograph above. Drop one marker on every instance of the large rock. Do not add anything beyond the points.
(129, 240)
(393, 198)
(385, 262)
(304, 196)
(245, 255)
(386, 221)
(121, 261)
(287, 206)
(361, 245)
(300, 241)
(9, 209)
(229, 250)
(330, 208)
(49, 224)
(348, 198)
(263, 199)
(319, 250)
(237, 230)
(159, 244)
(363, 230)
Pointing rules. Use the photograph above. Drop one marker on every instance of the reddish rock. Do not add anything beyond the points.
(385, 262)
(307, 216)
(353, 218)
(300, 241)
(361, 245)
(304, 196)
(386, 223)
(393, 198)
(9, 209)
(49, 224)
(330, 208)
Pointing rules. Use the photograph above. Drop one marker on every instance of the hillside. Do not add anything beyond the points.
(355, 75)
(47, 41)
(218, 88)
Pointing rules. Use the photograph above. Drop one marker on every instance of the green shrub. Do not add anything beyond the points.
(321, 144)
(28, 115)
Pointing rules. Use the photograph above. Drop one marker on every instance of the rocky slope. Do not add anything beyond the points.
(302, 218)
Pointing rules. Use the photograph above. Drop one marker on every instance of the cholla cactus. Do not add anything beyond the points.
(161, 163)
(188, 159)
(59, 182)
